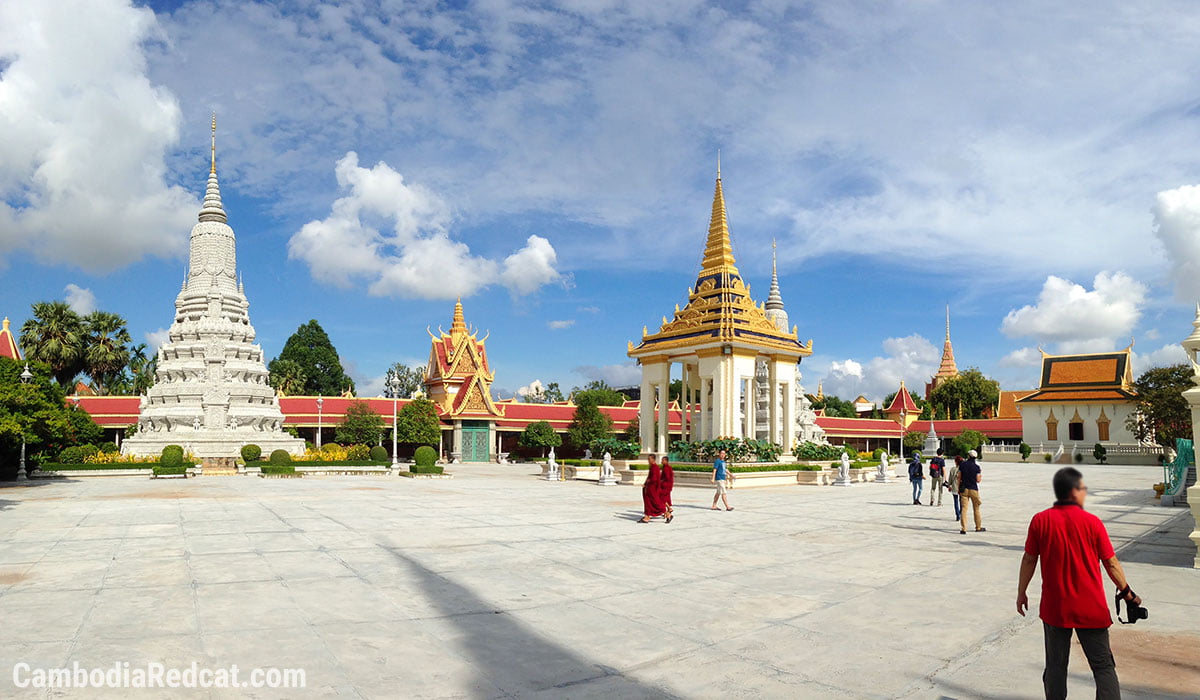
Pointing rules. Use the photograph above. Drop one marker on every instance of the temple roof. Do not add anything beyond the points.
(458, 377)
(8, 343)
(903, 402)
(719, 308)
(1106, 376)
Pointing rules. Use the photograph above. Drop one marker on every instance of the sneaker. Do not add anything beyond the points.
(962, 532)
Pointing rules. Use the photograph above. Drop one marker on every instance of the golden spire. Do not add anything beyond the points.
(947, 323)
(458, 327)
(948, 368)
(213, 169)
(718, 251)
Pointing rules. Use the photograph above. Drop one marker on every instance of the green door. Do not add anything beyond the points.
(475, 441)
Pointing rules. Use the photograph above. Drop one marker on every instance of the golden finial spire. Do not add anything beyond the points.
(459, 326)
(718, 164)
(948, 368)
(947, 323)
(718, 251)
(213, 169)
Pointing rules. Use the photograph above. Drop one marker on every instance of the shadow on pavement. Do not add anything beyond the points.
(509, 654)
(1167, 544)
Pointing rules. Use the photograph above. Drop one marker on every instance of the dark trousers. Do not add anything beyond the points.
(1099, 657)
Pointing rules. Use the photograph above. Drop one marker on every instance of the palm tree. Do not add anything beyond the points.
(107, 352)
(287, 377)
(55, 335)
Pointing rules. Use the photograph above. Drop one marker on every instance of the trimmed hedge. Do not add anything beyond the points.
(378, 454)
(251, 453)
(358, 452)
(172, 456)
(279, 457)
(268, 468)
(160, 470)
(55, 466)
(426, 469)
(581, 462)
(741, 470)
(262, 464)
(425, 456)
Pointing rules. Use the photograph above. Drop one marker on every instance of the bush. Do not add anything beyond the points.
(814, 452)
(89, 450)
(278, 468)
(1100, 452)
(251, 453)
(108, 447)
(172, 456)
(426, 469)
(877, 453)
(1026, 450)
(280, 457)
(1079, 458)
(161, 469)
(358, 452)
(426, 456)
(71, 455)
(1048, 457)
(378, 454)
(619, 449)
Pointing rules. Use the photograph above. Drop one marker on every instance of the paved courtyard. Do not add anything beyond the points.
(497, 584)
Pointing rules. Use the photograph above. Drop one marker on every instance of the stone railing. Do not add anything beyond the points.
(1113, 448)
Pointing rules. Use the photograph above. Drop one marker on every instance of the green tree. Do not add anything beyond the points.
(38, 412)
(836, 407)
(966, 441)
(288, 377)
(540, 434)
(106, 348)
(598, 393)
(633, 431)
(406, 380)
(966, 396)
(553, 394)
(360, 426)
(310, 347)
(55, 335)
(589, 423)
(418, 424)
(1026, 450)
(1162, 413)
(914, 440)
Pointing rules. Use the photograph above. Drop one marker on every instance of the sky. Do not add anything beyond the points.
(552, 163)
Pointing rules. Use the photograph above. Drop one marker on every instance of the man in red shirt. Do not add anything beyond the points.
(1072, 544)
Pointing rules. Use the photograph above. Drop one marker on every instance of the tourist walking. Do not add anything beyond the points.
(652, 493)
(916, 475)
(952, 481)
(667, 482)
(969, 476)
(1071, 544)
(720, 476)
(937, 475)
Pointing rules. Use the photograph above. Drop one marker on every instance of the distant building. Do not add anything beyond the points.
(948, 369)
(8, 343)
(1082, 399)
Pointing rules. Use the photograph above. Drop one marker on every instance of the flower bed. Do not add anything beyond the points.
(743, 469)
(326, 463)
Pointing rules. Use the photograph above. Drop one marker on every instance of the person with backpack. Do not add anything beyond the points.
(916, 475)
(937, 473)
(952, 483)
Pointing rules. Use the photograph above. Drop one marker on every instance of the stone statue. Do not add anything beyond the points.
(587, 453)
(607, 478)
(843, 478)
(551, 467)
(884, 466)
(196, 424)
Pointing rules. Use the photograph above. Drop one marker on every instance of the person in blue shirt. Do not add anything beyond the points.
(719, 476)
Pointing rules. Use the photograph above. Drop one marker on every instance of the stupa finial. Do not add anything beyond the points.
(213, 168)
(458, 327)
(213, 209)
(718, 250)
(718, 164)
(774, 298)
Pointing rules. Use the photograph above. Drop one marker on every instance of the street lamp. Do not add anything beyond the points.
(320, 403)
(394, 385)
(26, 377)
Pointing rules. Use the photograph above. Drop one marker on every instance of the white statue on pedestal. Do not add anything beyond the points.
(843, 478)
(552, 467)
(883, 477)
(607, 478)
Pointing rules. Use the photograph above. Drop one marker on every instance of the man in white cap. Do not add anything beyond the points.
(969, 476)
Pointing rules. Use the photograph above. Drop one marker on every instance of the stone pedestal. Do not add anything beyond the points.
(1194, 502)
(607, 476)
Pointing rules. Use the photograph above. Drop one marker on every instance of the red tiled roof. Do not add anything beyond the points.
(992, 427)
(8, 343)
(902, 403)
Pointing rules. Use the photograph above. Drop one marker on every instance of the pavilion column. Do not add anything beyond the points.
(646, 412)
(664, 408)
(717, 404)
(685, 409)
(772, 403)
(705, 429)
(789, 414)
(750, 401)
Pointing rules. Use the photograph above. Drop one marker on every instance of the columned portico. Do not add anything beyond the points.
(718, 339)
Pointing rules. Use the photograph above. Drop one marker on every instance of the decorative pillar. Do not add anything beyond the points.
(705, 427)
(773, 403)
(664, 408)
(789, 415)
(685, 410)
(750, 401)
(646, 412)
(1191, 496)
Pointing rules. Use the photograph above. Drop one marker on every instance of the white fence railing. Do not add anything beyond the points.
(1058, 448)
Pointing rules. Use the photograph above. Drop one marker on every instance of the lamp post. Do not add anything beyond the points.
(26, 377)
(320, 403)
(394, 385)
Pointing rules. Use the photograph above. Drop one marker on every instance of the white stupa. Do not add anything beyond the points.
(211, 393)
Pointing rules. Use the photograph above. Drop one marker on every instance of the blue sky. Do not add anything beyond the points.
(553, 162)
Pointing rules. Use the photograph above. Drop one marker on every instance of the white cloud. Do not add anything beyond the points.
(1171, 354)
(589, 309)
(912, 358)
(1024, 357)
(80, 299)
(82, 172)
(533, 390)
(155, 339)
(414, 256)
(560, 325)
(1078, 319)
(624, 374)
(1177, 226)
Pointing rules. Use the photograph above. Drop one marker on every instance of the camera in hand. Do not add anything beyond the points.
(1133, 611)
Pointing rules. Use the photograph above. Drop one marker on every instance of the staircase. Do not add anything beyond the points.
(219, 466)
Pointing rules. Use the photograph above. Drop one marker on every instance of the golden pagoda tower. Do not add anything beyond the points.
(459, 381)
(717, 338)
(948, 369)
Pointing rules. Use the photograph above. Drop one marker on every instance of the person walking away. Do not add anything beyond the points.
(667, 482)
(1071, 544)
(952, 482)
(969, 476)
(651, 493)
(937, 474)
(719, 477)
(916, 475)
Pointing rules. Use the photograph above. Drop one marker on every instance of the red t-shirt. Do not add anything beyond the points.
(1070, 543)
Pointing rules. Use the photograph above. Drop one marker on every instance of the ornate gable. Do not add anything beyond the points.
(457, 378)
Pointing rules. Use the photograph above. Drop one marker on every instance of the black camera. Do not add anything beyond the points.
(1133, 611)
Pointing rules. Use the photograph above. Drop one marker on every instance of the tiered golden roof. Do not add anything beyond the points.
(719, 308)
(948, 368)
(457, 377)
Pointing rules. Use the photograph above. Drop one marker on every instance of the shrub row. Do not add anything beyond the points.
(741, 470)
(426, 468)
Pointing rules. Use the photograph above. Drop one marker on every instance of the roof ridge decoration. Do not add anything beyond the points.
(719, 307)
(213, 210)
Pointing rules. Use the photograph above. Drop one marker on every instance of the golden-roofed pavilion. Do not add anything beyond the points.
(717, 338)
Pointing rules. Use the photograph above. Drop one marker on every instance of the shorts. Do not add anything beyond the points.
(721, 486)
